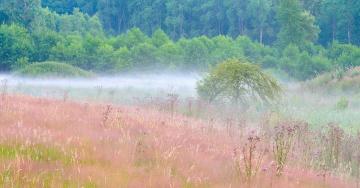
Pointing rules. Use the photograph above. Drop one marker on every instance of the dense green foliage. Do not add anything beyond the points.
(52, 69)
(302, 38)
(238, 82)
(258, 19)
(297, 26)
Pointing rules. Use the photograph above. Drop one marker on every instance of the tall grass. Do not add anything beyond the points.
(55, 143)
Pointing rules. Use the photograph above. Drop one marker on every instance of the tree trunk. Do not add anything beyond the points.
(350, 23)
(333, 30)
(182, 23)
(349, 34)
(241, 27)
(240, 22)
(219, 28)
(261, 35)
(120, 20)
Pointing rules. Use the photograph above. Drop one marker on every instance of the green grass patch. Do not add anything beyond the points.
(34, 153)
(12, 178)
(53, 69)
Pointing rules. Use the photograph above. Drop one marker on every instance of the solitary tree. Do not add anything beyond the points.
(238, 82)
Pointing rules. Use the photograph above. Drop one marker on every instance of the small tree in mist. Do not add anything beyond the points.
(238, 82)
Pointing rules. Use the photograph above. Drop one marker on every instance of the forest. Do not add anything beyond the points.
(299, 37)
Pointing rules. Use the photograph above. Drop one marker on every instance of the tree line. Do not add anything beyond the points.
(258, 19)
(112, 36)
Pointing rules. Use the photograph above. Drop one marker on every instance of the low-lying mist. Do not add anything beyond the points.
(316, 108)
(125, 87)
(149, 81)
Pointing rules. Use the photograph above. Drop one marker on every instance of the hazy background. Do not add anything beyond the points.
(318, 108)
(116, 89)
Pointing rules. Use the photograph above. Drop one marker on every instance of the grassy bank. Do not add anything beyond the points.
(53, 69)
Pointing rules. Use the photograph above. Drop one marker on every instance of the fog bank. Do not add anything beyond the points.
(140, 81)
(181, 84)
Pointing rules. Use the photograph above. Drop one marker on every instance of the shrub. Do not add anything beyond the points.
(52, 69)
(345, 55)
(302, 65)
(20, 63)
(238, 82)
(342, 104)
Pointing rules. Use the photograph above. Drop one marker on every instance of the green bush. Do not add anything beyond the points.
(238, 82)
(342, 104)
(52, 69)
(15, 43)
(302, 65)
(20, 63)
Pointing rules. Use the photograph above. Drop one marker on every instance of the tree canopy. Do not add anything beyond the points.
(301, 38)
(238, 82)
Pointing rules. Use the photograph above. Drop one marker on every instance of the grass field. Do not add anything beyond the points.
(49, 143)
(126, 133)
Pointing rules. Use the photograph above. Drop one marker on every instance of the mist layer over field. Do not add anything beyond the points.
(316, 108)
(150, 81)
(121, 88)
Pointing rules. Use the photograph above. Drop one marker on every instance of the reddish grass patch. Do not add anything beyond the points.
(129, 147)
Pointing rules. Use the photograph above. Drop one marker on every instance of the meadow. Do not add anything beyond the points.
(152, 131)
(171, 93)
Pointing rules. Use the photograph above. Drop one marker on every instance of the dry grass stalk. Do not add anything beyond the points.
(283, 143)
(106, 115)
(250, 157)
